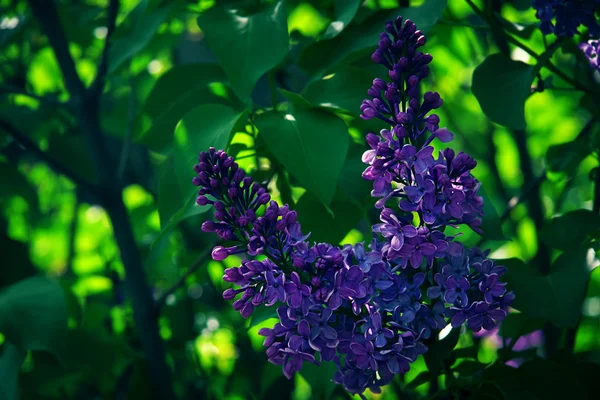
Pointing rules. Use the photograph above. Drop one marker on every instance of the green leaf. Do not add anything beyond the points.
(311, 144)
(466, 352)
(521, 5)
(440, 351)
(519, 324)
(351, 182)
(127, 46)
(320, 379)
(250, 45)
(362, 38)
(261, 314)
(537, 380)
(344, 91)
(190, 209)
(491, 223)
(421, 379)
(170, 197)
(176, 93)
(19, 257)
(33, 315)
(319, 221)
(295, 98)
(11, 360)
(469, 368)
(567, 156)
(208, 125)
(570, 229)
(344, 11)
(556, 297)
(502, 86)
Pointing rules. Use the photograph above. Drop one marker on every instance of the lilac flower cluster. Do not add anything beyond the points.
(367, 309)
(591, 50)
(568, 15)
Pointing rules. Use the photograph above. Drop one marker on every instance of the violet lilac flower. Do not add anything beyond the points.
(367, 309)
(564, 17)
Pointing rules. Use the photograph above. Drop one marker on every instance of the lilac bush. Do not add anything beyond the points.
(368, 309)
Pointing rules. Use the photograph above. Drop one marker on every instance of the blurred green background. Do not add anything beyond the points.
(175, 84)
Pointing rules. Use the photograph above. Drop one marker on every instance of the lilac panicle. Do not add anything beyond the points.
(370, 310)
(563, 17)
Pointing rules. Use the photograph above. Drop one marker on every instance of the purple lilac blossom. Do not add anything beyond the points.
(563, 17)
(591, 50)
(367, 309)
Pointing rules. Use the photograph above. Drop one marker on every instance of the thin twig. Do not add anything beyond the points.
(548, 65)
(515, 201)
(111, 20)
(160, 301)
(126, 149)
(45, 12)
(56, 165)
(72, 236)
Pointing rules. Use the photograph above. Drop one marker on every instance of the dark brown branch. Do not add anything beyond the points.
(56, 165)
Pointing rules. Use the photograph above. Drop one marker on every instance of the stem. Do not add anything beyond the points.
(536, 210)
(98, 83)
(548, 65)
(160, 301)
(56, 165)
(535, 206)
(145, 313)
(126, 149)
(72, 236)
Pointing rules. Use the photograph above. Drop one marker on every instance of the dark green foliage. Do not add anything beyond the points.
(96, 162)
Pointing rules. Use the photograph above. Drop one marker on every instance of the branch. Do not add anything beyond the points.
(45, 12)
(10, 89)
(111, 20)
(527, 191)
(87, 107)
(56, 165)
(88, 113)
(160, 301)
(548, 64)
(596, 207)
(126, 149)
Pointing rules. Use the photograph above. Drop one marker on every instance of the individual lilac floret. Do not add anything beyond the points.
(591, 50)
(568, 15)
